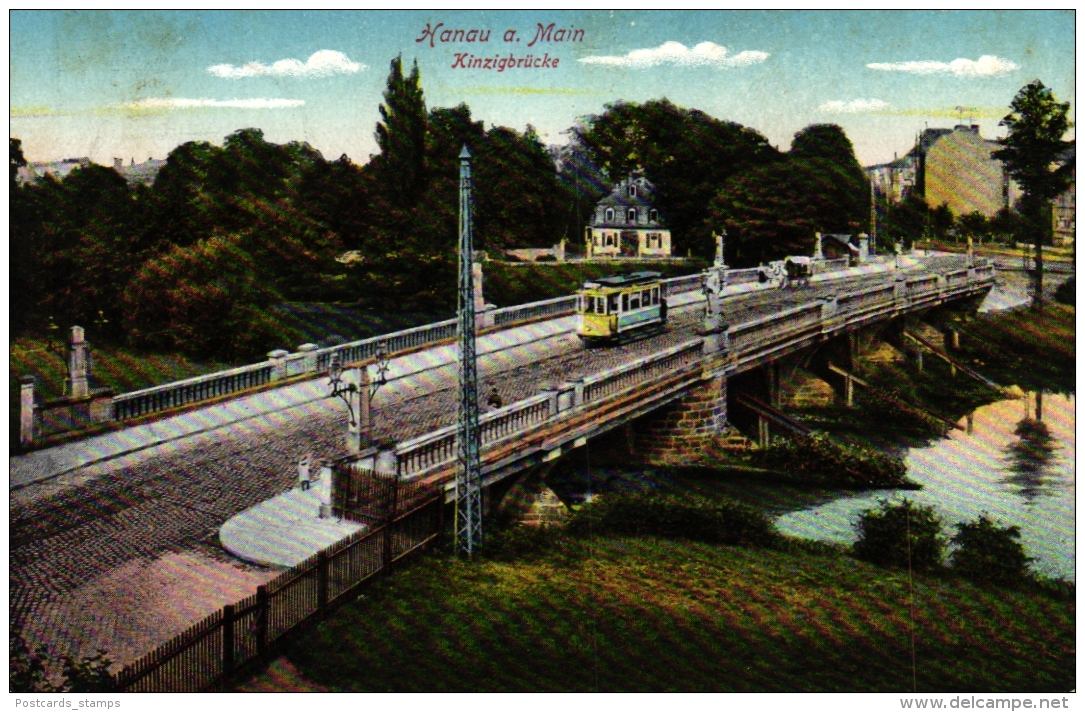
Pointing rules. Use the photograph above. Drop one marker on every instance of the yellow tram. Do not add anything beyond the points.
(612, 309)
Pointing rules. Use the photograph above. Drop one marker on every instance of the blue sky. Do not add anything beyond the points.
(135, 85)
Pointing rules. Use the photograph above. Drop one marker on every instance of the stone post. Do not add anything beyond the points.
(78, 385)
(818, 254)
(483, 316)
(971, 256)
(278, 363)
(308, 362)
(721, 261)
(26, 410)
(360, 432)
(864, 247)
(587, 243)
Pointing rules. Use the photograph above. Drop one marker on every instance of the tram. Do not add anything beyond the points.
(614, 309)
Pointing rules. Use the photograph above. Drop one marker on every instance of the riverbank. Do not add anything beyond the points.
(646, 613)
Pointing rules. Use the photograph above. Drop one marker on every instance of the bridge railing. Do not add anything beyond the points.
(396, 342)
(823, 266)
(191, 390)
(920, 285)
(602, 386)
(753, 334)
(560, 306)
(680, 285)
(867, 299)
(743, 276)
(440, 447)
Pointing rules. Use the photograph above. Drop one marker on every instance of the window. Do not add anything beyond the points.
(596, 239)
(612, 304)
(655, 295)
(632, 191)
(632, 216)
(634, 300)
(625, 302)
(653, 215)
(610, 215)
(646, 298)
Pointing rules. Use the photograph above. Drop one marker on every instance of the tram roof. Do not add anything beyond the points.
(623, 280)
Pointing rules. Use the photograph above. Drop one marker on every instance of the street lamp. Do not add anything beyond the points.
(347, 391)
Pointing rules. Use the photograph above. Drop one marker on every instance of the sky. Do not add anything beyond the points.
(135, 85)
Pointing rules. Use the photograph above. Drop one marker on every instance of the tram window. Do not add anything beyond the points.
(625, 302)
(646, 298)
(655, 295)
(600, 306)
(634, 300)
(612, 304)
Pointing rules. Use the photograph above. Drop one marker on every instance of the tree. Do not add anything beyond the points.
(905, 535)
(773, 210)
(685, 153)
(988, 553)
(401, 136)
(1033, 152)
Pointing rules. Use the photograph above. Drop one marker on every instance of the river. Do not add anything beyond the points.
(1024, 480)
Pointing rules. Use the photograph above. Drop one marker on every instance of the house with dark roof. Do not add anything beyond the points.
(627, 224)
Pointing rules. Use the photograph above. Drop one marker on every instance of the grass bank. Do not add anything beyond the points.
(624, 613)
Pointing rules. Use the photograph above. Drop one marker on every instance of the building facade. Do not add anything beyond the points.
(626, 223)
(952, 167)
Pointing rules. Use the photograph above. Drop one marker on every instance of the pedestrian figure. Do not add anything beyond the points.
(494, 399)
(303, 471)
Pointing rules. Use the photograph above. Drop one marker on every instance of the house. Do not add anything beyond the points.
(34, 172)
(626, 223)
(143, 173)
(1064, 209)
(950, 166)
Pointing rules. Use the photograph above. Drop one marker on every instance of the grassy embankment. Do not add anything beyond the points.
(623, 613)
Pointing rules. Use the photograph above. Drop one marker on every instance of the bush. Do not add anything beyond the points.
(990, 554)
(27, 671)
(899, 536)
(817, 459)
(655, 514)
(1064, 293)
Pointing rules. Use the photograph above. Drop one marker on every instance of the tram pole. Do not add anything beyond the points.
(468, 521)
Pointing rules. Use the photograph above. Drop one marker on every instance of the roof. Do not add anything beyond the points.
(623, 280)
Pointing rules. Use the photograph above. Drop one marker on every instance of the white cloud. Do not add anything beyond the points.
(321, 64)
(855, 106)
(160, 104)
(706, 54)
(986, 66)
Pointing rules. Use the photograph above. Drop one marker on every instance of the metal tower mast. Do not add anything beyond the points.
(468, 523)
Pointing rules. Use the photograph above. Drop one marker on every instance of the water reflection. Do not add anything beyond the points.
(1030, 457)
(1016, 463)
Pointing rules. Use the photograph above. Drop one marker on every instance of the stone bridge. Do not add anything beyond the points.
(565, 402)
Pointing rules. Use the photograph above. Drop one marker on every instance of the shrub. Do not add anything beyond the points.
(655, 514)
(816, 458)
(1064, 293)
(899, 535)
(989, 554)
(28, 671)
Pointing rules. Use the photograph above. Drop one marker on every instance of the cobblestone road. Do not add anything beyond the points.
(81, 554)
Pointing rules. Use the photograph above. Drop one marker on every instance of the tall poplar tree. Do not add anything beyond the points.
(1034, 154)
(401, 135)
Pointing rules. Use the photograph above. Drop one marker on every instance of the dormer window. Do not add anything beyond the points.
(632, 191)
(610, 215)
(653, 215)
(632, 216)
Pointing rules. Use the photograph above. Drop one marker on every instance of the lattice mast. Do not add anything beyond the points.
(468, 522)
